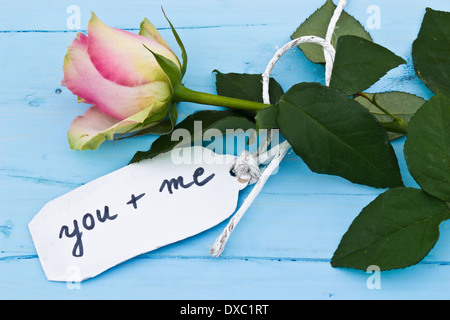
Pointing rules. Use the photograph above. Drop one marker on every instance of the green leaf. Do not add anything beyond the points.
(267, 118)
(431, 51)
(360, 63)
(246, 86)
(169, 67)
(317, 25)
(401, 104)
(335, 135)
(210, 119)
(180, 44)
(396, 230)
(427, 148)
(249, 87)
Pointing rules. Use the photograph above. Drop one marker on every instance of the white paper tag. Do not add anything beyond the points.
(134, 210)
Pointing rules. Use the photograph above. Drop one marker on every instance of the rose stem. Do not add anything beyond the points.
(184, 94)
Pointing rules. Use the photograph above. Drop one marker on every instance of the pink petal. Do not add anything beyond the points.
(120, 102)
(83, 39)
(121, 57)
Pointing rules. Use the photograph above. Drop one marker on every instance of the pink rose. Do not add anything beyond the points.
(115, 71)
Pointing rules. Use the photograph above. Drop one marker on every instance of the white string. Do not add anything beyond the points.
(334, 20)
(329, 53)
(246, 167)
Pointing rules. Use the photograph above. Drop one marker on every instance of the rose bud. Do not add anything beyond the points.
(119, 74)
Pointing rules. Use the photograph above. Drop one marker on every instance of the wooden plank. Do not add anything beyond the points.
(226, 279)
(36, 118)
(50, 15)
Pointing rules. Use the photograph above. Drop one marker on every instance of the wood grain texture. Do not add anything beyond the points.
(282, 247)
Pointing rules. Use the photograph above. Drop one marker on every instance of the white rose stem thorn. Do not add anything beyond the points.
(249, 163)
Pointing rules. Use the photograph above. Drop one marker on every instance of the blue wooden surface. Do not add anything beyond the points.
(283, 245)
